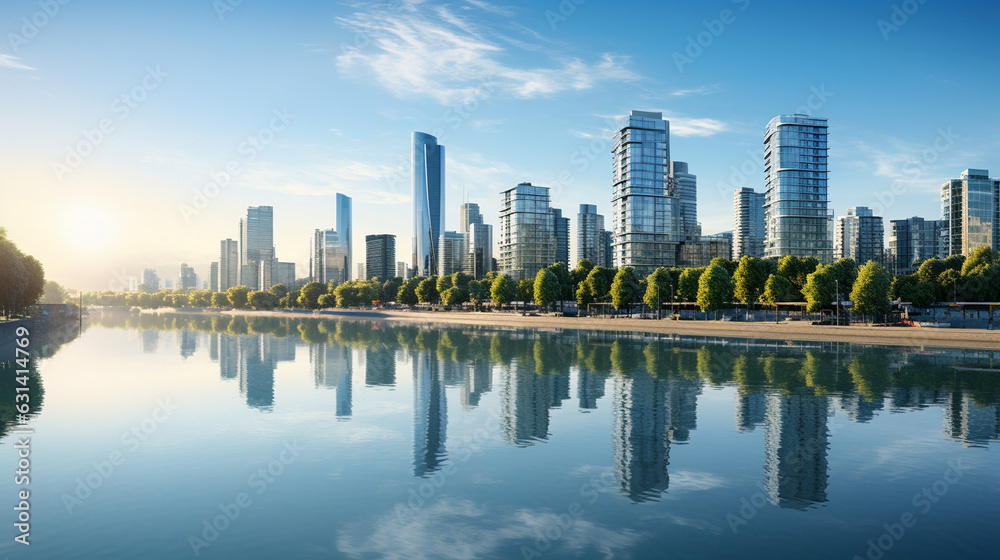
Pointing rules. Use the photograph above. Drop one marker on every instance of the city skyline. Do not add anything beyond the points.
(898, 129)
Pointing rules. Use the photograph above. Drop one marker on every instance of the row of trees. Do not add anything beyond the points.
(22, 278)
(957, 278)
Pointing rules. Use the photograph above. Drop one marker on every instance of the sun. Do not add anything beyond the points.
(90, 228)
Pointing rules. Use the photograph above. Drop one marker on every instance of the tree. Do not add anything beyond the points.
(776, 289)
(407, 294)
(579, 274)
(930, 269)
(728, 264)
(625, 288)
(546, 287)
(947, 283)
(525, 289)
(564, 281)
(819, 290)
(749, 279)
(344, 296)
(35, 285)
(687, 284)
(461, 280)
(200, 298)
(427, 291)
(291, 300)
(309, 294)
(845, 272)
(454, 296)
(327, 301)
(599, 282)
(443, 283)
(390, 289)
(53, 293)
(220, 300)
(715, 288)
(980, 256)
(261, 300)
(658, 285)
(871, 291)
(502, 290)
(279, 291)
(237, 296)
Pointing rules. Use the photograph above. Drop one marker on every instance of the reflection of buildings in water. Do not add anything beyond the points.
(188, 342)
(430, 414)
(589, 388)
(683, 408)
(213, 346)
(228, 349)
(149, 340)
(476, 382)
(257, 373)
(858, 408)
(641, 436)
(970, 423)
(333, 367)
(525, 398)
(750, 409)
(380, 367)
(795, 448)
(903, 399)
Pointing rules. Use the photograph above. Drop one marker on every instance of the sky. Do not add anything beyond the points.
(136, 134)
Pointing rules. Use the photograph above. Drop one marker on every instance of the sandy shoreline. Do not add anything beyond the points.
(797, 331)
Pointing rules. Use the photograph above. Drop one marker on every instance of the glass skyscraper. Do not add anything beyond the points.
(561, 226)
(590, 236)
(645, 219)
(971, 207)
(795, 188)
(860, 236)
(229, 265)
(912, 240)
(527, 231)
(478, 259)
(344, 230)
(748, 223)
(428, 202)
(329, 260)
(380, 256)
(256, 245)
(684, 186)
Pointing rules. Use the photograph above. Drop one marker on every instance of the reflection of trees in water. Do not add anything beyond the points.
(8, 393)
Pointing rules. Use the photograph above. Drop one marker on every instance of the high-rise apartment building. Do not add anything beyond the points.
(328, 258)
(971, 207)
(914, 240)
(527, 231)
(213, 277)
(684, 186)
(478, 257)
(345, 228)
(229, 265)
(452, 253)
(561, 225)
(645, 218)
(380, 256)
(748, 223)
(256, 245)
(859, 236)
(795, 188)
(428, 202)
(591, 236)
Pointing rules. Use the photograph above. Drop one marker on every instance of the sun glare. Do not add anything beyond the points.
(90, 228)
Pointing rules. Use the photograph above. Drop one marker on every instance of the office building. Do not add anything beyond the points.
(345, 228)
(971, 207)
(187, 280)
(748, 223)
(256, 245)
(590, 236)
(150, 281)
(527, 231)
(428, 202)
(401, 270)
(283, 273)
(859, 236)
(700, 252)
(380, 256)
(478, 259)
(329, 260)
(795, 188)
(561, 225)
(229, 265)
(213, 277)
(914, 240)
(452, 252)
(684, 187)
(645, 219)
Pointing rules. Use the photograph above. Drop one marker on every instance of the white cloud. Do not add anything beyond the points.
(684, 127)
(701, 90)
(8, 61)
(437, 52)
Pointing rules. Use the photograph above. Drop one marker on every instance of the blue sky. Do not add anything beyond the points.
(517, 91)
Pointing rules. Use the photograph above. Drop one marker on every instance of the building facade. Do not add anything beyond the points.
(914, 240)
(187, 279)
(256, 244)
(478, 257)
(696, 254)
(749, 224)
(971, 207)
(229, 265)
(645, 218)
(527, 231)
(380, 256)
(428, 202)
(684, 186)
(451, 252)
(345, 228)
(591, 236)
(561, 225)
(328, 258)
(860, 236)
(795, 188)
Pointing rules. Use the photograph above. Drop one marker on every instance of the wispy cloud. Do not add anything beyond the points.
(684, 126)
(701, 90)
(445, 54)
(9, 61)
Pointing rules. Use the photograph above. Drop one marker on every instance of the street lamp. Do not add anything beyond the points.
(837, 284)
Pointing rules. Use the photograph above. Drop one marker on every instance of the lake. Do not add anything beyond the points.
(199, 436)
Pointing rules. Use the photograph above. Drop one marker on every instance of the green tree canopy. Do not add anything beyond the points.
(427, 291)
(658, 286)
(220, 300)
(502, 290)
(309, 294)
(820, 288)
(715, 288)
(525, 290)
(261, 300)
(749, 279)
(390, 289)
(777, 289)
(687, 284)
(237, 296)
(407, 293)
(625, 287)
(454, 296)
(579, 274)
(871, 290)
(546, 287)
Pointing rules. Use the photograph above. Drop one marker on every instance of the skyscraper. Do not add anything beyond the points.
(748, 223)
(344, 230)
(478, 259)
(187, 280)
(795, 188)
(684, 186)
(561, 225)
(971, 207)
(914, 240)
(328, 257)
(256, 244)
(527, 231)
(380, 256)
(589, 236)
(451, 252)
(645, 219)
(213, 276)
(229, 265)
(859, 236)
(428, 202)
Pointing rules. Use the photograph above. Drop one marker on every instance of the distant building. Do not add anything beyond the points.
(478, 258)
(748, 223)
(229, 265)
(591, 237)
(187, 280)
(283, 273)
(428, 202)
(527, 231)
(345, 227)
(380, 256)
(451, 252)
(256, 244)
(401, 270)
(859, 236)
(914, 240)
(150, 281)
(684, 186)
(329, 259)
(696, 254)
(795, 188)
(561, 225)
(213, 277)
(971, 207)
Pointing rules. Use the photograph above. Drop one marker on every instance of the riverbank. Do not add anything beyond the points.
(792, 330)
